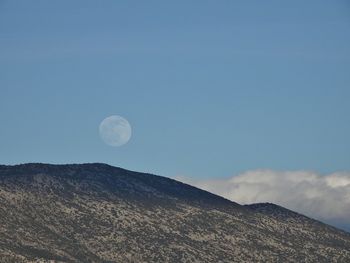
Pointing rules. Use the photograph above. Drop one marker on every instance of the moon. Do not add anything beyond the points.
(115, 130)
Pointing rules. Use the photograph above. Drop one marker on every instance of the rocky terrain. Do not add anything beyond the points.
(100, 213)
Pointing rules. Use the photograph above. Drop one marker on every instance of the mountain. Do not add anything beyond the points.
(99, 213)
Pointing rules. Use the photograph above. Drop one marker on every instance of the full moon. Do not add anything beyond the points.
(115, 130)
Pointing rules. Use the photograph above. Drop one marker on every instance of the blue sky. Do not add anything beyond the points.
(211, 88)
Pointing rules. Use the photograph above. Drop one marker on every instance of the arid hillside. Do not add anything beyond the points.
(100, 213)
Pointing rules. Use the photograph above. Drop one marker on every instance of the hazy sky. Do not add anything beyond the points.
(210, 88)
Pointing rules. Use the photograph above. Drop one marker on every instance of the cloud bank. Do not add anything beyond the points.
(324, 197)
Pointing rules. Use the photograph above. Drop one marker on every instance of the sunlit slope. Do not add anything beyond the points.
(100, 213)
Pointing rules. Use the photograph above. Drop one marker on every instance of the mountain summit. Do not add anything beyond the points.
(99, 213)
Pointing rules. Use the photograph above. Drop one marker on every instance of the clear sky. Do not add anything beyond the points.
(210, 88)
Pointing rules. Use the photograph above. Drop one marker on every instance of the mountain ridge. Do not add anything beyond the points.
(99, 213)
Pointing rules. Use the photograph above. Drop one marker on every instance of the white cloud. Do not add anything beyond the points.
(324, 197)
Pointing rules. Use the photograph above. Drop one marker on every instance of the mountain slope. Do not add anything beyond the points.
(100, 213)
